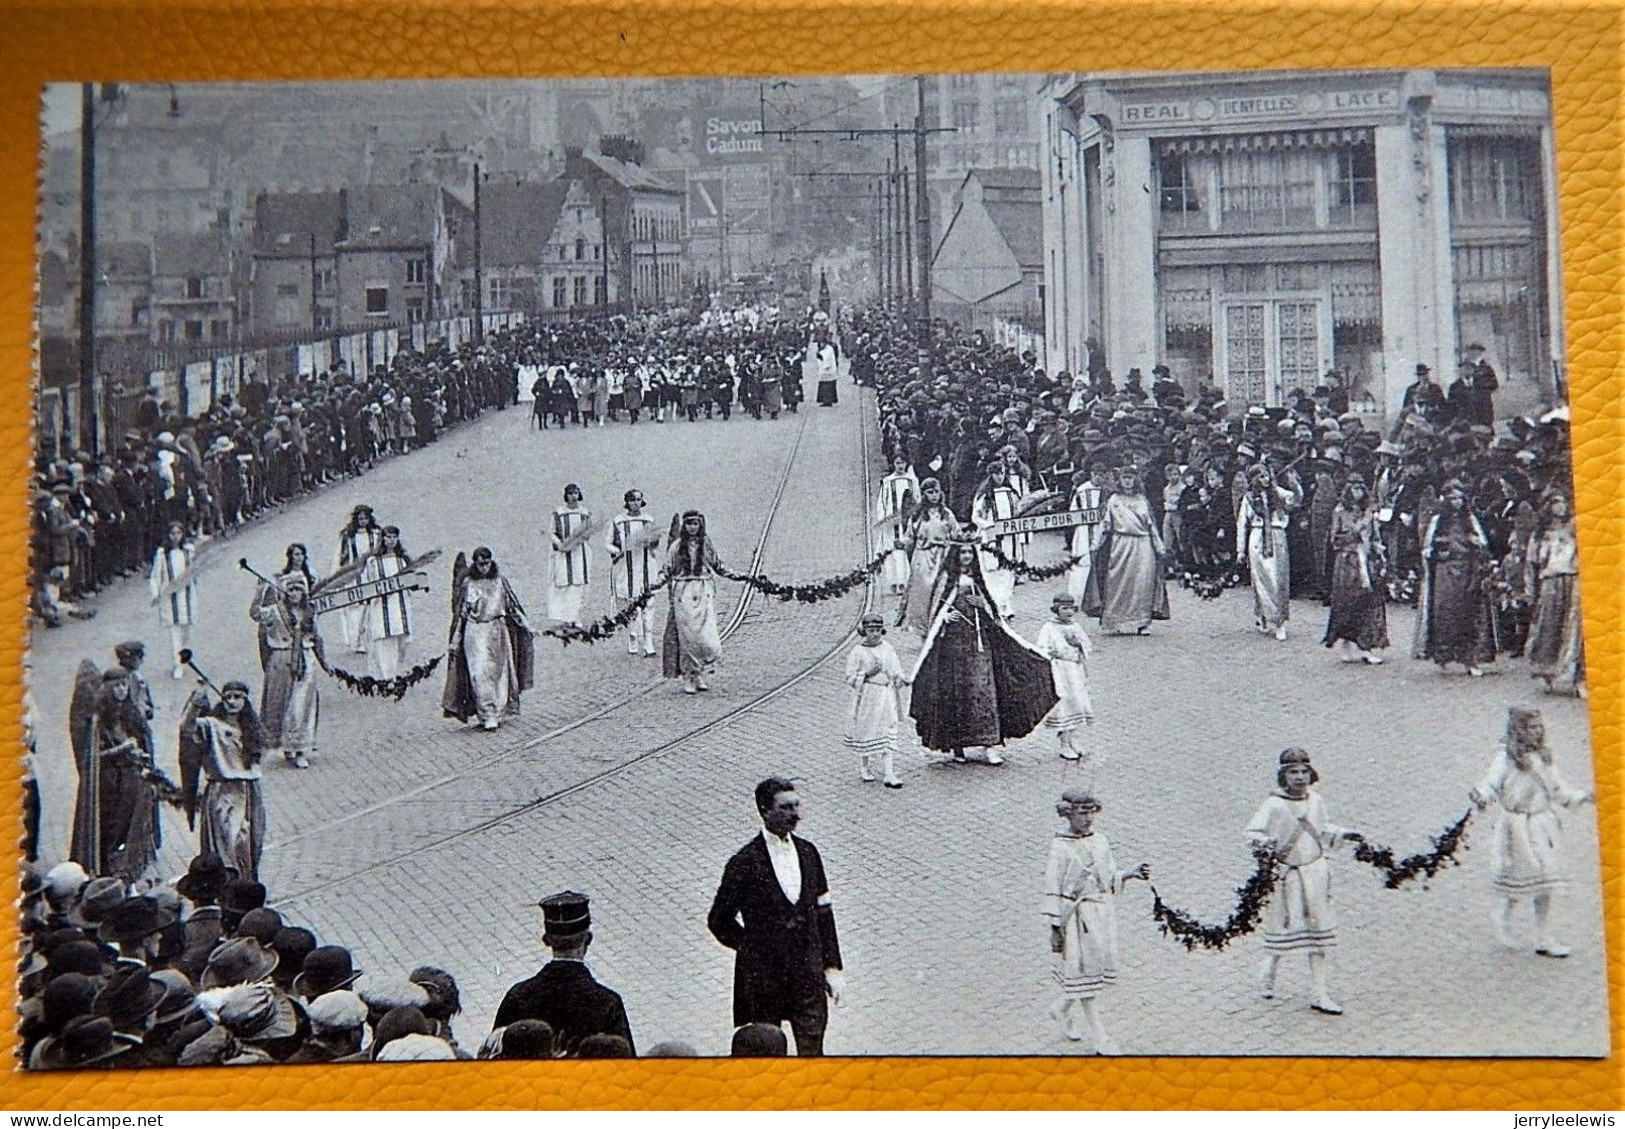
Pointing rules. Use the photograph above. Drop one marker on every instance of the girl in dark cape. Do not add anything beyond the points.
(976, 682)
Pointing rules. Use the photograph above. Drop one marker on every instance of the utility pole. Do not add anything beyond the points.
(314, 324)
(922, 240)
(908, 244)
(889, 250)
(479, 266)
(880, 241)
(89, 429)
(896, 187)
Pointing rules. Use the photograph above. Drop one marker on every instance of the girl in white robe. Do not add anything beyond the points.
(1080, 882)
(876, 676)
(1526, 852)
(572, 567)
(1068, 648)
(1294, 824)
(388, 618)
(174, 589)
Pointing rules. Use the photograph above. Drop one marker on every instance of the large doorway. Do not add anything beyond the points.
(1270, 347)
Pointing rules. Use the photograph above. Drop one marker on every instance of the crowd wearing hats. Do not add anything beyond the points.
(982, 407)
(202, 972)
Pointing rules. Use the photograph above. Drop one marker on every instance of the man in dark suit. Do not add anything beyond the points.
(564, 994)
(773, 909)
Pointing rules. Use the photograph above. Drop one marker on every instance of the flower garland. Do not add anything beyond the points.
(1209, 587)
(1445, 846)
(1249, 910)
(833, 588)
(604, 627)
(369, 687)
(1031, 572)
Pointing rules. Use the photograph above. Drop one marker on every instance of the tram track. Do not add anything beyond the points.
(734, 623)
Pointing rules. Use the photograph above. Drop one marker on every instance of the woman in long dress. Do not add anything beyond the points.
(1526, 853)
(389, 618)
(976, 681)
(1358, 621)
(899, 495)
(115, 823)
(1454, 622)
(491, 651)
(223, 746)
(358, 540)
(291, 701)
(932, 524)
(1555, 651)
(1294, 825)
(1261, 539)
(1080, 881)
(1126, 586)
(693, 642)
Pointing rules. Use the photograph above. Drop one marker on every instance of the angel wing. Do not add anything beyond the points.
(459, 577)
(82, 712)
(193, 749)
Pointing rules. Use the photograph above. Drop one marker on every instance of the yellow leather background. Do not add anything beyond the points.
(148, 40)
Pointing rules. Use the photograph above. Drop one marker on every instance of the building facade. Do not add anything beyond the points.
(294, 263)
(389, 264)
(1259, 229)
(542, 248)
(192, 295)
(644, 218)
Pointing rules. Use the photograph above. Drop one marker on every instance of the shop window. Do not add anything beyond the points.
(1352, 188)
(1267, 190)
(1491, 179)
(1180, 199)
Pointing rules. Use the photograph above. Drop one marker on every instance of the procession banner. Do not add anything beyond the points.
(370, 590)
(1042, 522)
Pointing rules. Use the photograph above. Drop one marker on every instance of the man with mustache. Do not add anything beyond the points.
(773, 909)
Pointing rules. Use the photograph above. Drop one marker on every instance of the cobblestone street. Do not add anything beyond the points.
(415, 841)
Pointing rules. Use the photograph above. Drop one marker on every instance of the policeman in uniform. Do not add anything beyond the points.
(564, 994)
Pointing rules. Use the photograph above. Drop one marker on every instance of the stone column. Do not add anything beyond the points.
(1131, 253)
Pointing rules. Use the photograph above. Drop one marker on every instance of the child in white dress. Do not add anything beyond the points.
(1294, 824)
(1526, 856)
(1063, 640)
(1079, 884)
(876, 676)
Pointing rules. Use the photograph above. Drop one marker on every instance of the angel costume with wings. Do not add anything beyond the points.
(491, 650)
